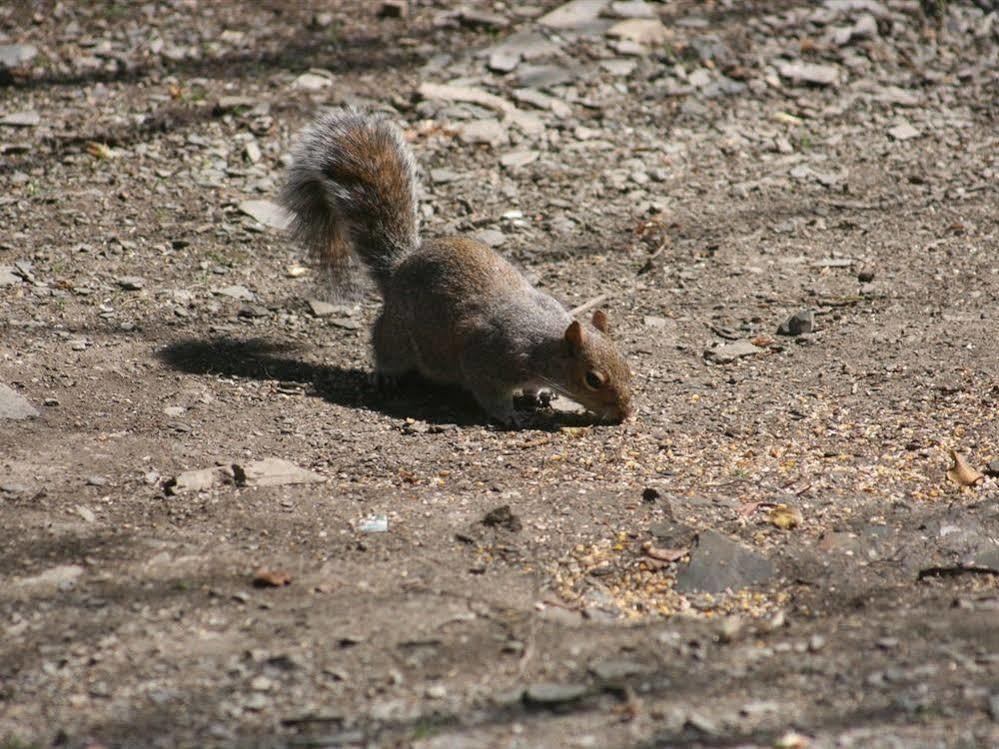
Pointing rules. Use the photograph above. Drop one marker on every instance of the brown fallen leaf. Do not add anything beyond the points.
(264, 578)
(98, 150)
(785, 518)
(664, 555)
(962, 473)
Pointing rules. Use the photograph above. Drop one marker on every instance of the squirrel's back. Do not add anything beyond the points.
(351, 188)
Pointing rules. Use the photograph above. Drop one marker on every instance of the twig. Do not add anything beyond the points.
(594, 302)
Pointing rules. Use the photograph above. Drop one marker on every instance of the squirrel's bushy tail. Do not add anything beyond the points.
(351, 188)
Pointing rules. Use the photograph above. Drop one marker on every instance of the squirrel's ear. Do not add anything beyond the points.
(574, 336)
(600, 322)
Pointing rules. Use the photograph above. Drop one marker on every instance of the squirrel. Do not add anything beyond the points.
(453, 310)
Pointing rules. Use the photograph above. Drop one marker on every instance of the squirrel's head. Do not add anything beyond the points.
(598, 376)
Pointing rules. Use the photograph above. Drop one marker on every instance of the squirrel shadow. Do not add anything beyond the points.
(414, 397)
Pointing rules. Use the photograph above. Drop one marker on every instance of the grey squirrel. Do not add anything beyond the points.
(454, 311)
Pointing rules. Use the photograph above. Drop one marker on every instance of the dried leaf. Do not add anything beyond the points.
(264, 578)
(99, 150)
(664, 555)
(962, 473)
(785, 518)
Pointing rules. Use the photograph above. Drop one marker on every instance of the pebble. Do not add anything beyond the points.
(992, 468)
(312, 81)
(97, 481)
(7, 276)
(614, 669)
(549, 694)
(489, 132)
(130, 283)
(14, 406)
(731, 351)
(238, 292)
(491, 237)
(810, 73)
(267, 213)
(16, 55)
(631, 9)
(273, 472)
(903, 131)
(516, 159)
(640, 31)
(27, 118)
(797, 324)
(576, 14)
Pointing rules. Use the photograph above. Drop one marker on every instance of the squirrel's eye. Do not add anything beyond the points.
(594, 381)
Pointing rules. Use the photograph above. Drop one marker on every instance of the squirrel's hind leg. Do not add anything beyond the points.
(393, 351)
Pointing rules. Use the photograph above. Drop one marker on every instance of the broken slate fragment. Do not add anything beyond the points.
(15, 55)
(273, 472)
(730, 352)
(904, 131)
(27, 118)
(810, 73)
(489, 132)
(14, 406)
(266, 213)
(547, 694)
(640, 31)
(130, 283)
(718, 563)
(241, 293)
(7, 276)
(577, 14)
(797, 324)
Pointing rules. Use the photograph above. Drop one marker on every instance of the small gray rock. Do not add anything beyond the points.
(730, 352)
(266, 212)
(16, 55)
(14, 406)
(27, 118)
(131, 283)
(241, 293)
(992, 468)
(797, 324)
(515, 159)
(7, 276)
(491, 237)
(616, 669)
(810, 73)
(717, 563)
(490, 132)
(903, 131)
(547, 694)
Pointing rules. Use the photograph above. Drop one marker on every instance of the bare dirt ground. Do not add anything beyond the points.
(770, 554)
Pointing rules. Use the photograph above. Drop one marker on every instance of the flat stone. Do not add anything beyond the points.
(516, 159)
(484, 132)
(443, 176)
(8, 277)
(14, 406)
(549, 694)
(16, 55)
(266, 212)
(619, 68)
(631, 9)
(730, 352)
(797, 324)
(576, 14)
(491, 237)
(312, 81)
(241, 293)
(992, 468)
(904, 131)
(641, 31)
(273, 472)
(718, 563)
(130, 283)
(27, 118)
(475, 18)
(522, 45)
(320, 308)
(54, 577)
(617, 669)
(810, 73)
(232, 103)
